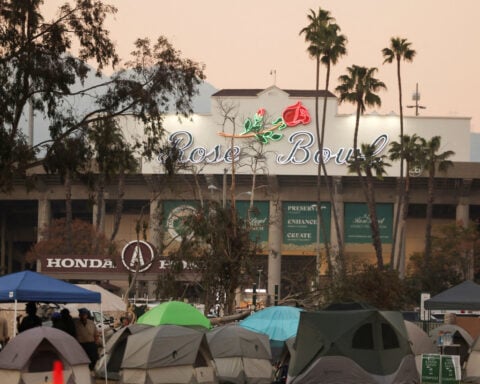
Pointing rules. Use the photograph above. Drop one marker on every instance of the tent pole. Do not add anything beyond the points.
(103, 342)
(15, 319)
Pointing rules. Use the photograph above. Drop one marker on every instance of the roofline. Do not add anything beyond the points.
(253, 92)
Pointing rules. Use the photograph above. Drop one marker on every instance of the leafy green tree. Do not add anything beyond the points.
(433, 160)
(382, 289)
(408, 149)
(39, 68)
(216, 244)
(455, 257)
(87, 241)
(359, 87)
(113, 157)
(326, 46)
(66, 159)
(398, 50)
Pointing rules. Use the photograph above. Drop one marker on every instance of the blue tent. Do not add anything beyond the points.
(32, 286)
(279, 323)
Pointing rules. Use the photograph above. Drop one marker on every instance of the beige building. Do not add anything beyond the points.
(277, 127)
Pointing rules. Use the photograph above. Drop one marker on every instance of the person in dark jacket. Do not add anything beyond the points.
(31, 320)
(64, 321)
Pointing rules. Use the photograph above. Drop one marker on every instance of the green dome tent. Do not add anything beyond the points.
(175, 313)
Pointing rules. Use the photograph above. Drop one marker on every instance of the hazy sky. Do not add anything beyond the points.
(240, 42)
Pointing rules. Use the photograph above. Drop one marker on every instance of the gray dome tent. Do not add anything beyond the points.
(352, 346)
(241, 356)
(28, 357)
(167, 354)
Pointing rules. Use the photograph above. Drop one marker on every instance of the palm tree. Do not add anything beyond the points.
(358, 87)
(432, 160)
(398, 50)
(315, 35)
(373, 166)
(326, 46)
(407, 148)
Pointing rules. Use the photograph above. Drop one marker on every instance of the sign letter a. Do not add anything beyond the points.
(137, 257)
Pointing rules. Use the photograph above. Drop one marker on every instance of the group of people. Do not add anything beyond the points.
(82, 328)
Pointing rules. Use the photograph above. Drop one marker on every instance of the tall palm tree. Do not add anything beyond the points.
(407, 148)
(315, 36)
(373, 166)
(326, 45)
(359, 87)
(432, 160)
(398, 50)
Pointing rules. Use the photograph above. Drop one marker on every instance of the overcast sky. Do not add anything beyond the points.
(241, 42)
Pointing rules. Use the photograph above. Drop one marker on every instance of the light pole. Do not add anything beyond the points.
(259, 270)
(416, 98)
(317, 246)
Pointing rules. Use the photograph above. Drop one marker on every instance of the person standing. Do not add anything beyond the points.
(31, 320)
(66, 322)
(87, 335)
(3, 332)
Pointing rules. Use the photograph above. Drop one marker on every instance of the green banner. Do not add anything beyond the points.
(430, 369)
(259, 214)
(300, 224)
(441, 369)
(174, 214)
(451, 372)
(357, 223)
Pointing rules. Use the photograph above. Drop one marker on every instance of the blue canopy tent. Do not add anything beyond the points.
(21, 287)
(32, 286)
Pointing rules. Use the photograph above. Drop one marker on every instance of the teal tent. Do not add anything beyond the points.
(279, 323)
(175, 313)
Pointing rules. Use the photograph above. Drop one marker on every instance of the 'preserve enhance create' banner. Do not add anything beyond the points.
(300, 226)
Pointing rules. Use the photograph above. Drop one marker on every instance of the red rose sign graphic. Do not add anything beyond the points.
(257, 128)
(296, 114)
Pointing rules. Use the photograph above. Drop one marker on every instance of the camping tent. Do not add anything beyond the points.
(175, 313)
(279, 323)
(110, 301)
(28, 358)
(114, 351)
(167, 354)
(32, 286)
(472, 367)
(465, 296)
(461, 340)
(241, 356)
(420, 342)
(368, 346)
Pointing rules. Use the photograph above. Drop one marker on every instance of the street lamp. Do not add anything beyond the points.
(317, 245)
(416, 98)
(259, 270)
